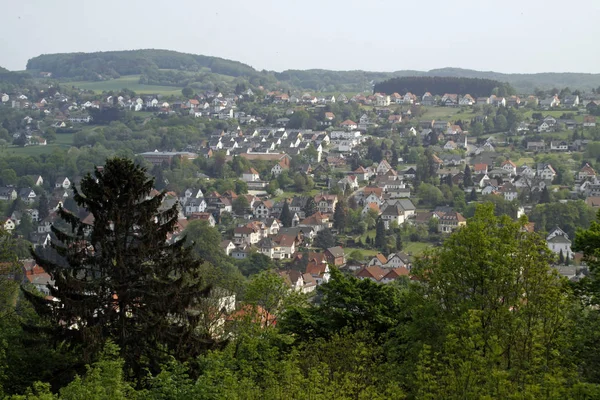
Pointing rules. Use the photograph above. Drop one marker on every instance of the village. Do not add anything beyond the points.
(319, 176)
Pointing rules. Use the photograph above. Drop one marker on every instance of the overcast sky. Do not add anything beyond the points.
(377, 35)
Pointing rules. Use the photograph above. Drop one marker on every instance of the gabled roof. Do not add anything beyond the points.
(382, 259)
(336, 251)
(453, 216)
(373, 272)
(397, 272)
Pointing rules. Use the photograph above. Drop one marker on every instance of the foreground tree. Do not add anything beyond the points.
(116, 276)
(498, 309)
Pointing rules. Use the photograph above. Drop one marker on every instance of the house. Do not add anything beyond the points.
(9, 225)
(428, 99)
(570, 101)
(349, 125)
(398, 260)
(593, 201)
(509, 191)
(466, 100)
(383, 167)
(262, 208)
(326, 203)
(8, 193)
(394, 274)
(559, 146)
(298, 281)
(194, 205)
(284, 246)
(251, 175)
(450, 100)
(550, 102)
(451, 221)
(318, 269)
(335, 256)
(373, 272)
(382, 100)
(586, 172)
(227, 246)
(560, 243)
(37, 277)
(27, 195)
(241, 252)
(509, 166)
(546, 172)
(317, 222)
(589, 121)
(393, 213)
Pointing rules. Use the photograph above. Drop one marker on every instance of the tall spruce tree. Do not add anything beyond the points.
(394, 160)
(117, 277)
(545, 196)
(43, 207)
(286, 215)
(380, 240)
(467, 178)
(311, 207)
(340, 216)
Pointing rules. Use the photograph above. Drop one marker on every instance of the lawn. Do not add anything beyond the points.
(416, 248)
(366, 253)
(525, 161)
(126, 82)
(63, 140)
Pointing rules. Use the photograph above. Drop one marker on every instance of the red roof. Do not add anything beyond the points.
(348, 122)
(373, 272)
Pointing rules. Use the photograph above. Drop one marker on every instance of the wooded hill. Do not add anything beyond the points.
(112, 64)
(437, 85)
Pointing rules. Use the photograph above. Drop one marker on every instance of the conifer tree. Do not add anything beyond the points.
(340, 216)
(380, 234)
(116, 276)
(467, 178)
(286, 215)
(311, 207)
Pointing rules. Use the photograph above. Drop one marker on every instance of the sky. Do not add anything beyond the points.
(525, 36)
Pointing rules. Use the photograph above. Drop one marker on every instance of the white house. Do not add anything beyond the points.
(251, 175)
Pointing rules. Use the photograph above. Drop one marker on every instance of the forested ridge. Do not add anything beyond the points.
(438, 85)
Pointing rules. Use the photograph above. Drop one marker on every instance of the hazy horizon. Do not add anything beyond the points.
(512, 37)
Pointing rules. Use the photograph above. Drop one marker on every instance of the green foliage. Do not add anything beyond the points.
(497, 311)
(568, 216)
(112, 276)
(286, 215)
(112, 64)
(438, 85)
(340, 215)
(324, 239)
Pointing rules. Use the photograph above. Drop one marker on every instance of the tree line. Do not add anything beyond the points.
(439, 85)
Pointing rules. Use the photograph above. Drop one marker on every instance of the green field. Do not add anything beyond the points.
(416, 248)
(63, 140)
(130, 82)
